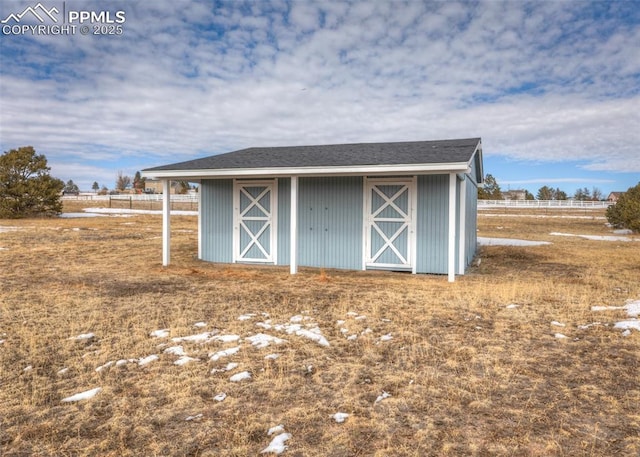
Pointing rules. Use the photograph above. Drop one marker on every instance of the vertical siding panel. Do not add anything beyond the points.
(432, 224)
(471, 228)
(217, 220)
(330, 222)
(284, 214)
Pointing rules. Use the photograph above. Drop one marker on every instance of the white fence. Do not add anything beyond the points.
(578, 204)
(137, 201)
(187, 198)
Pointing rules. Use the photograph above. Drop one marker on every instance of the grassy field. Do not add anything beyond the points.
(422, 367)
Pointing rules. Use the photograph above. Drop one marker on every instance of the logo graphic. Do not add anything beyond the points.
(39, 20)
(34, 11)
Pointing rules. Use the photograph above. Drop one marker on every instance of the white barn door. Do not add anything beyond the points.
(389, 225)
(255, 217)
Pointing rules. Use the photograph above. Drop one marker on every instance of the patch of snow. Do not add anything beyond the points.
(313, 335)
(79, 215)
(623, 232)
(162, 333)
(340, 322)
(381, 397)
(276, 429)
(121, 211)
(628, 324)
(264, 325)
(82, 395)
(175, 350)
(28, 368)
(560, 336)
(277, 445)
(193, 418)
(62, 371)
(352, 337)
(246, 317)
(588, 326)
(199, 338)
(2, 341)
(200, 324)
(230, 366)
(484, 241)
(387, 337)
(271, 356)
(594, 237)
(220, 397)
(83, 336)
(146, 360)
(512, 306)
(360, 318)
(558, 324)
(184, 360)
(224, 353)
(261, 340)
(8, 228)
(226, 338)
(340, 417)
(242, 376)
(109, 364)
(627, 332)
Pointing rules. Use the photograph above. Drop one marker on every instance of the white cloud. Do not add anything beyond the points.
(540, 81)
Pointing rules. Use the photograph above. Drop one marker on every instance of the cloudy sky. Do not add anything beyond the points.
(551, 87)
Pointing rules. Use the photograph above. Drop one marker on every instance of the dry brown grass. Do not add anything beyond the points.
(467, 376)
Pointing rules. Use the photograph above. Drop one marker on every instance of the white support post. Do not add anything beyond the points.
(462, 242)
(451, 256)
(166, 222)
(293, 229)
(200, 221)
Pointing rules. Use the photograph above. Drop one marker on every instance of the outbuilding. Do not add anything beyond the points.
(405, 206)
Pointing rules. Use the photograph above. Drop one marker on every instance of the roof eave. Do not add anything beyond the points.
(369, 170)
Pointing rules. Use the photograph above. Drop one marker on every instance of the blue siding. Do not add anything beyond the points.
(217, 220)
(284, 220)
(330, 222)
(432, 224)
(330, 211)
(471, 220)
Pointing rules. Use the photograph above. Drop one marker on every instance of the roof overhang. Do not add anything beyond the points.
(353, 170)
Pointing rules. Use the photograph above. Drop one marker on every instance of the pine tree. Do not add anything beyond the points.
(26, 188)
(626, 212)
(490, 190)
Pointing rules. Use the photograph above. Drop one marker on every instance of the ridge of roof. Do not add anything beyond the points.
(335, 155)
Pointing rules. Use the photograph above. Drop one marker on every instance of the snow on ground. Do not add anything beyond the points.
(340, 417)
(383, 396)
(597, 237)
(82, 395)
(126, 212)
(262, 340)
(484, 241)
(277, 446)
(83, 336)
(162, 333)
(146, 360)
(214, 357)
(242, 376)
(632, 307)
(199, 338)
(9, 228)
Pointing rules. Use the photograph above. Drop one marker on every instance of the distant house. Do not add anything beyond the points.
(408, 206)
(154, 186)
(614, 196)
(519, 194)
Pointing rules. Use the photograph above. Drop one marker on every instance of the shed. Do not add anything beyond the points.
(405, 206)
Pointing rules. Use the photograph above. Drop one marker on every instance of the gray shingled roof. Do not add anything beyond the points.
(335, 155)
